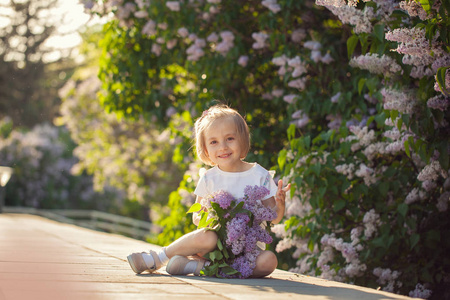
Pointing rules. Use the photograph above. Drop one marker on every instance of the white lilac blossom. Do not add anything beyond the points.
(213, 38)
(278, 93)
(387, 277)
(141, 14)
(156, 49)
(335, 3)
(375, 149)
(335, 121)
(227, 42)
(183, 32)
(371, 221)
(415, 195)
(403, 101)
(149, 28)
(429, 185)
(420, 291)
(300, 119)
(299, 84)
(173, 5)
(260, 38)
(432, 171)
(312, 45)
(290, 98)
(414, 9)
(272, 5)
(335, 98)
(414, 43)
(351, 15)
(195, 51)
(171, 43)
(280, 60)
(354, 267)
(443, 201)
(298, 65)
(346, 169)
(316, 56)
(364, 136)
(367, 174)
(376, 64)
(123, 11)
(327, 59)
(243, 60)
(298, 35)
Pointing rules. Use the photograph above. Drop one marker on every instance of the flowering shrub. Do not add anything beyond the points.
(42, 159)
(362, 89)
(240, 224)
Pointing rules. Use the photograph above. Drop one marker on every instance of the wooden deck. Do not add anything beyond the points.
(44, 259)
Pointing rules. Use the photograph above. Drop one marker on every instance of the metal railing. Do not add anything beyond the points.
(95, 220)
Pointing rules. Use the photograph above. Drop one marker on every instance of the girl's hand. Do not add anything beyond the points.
(280, 201)
(280, 196)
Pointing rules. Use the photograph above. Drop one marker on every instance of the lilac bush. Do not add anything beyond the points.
(352, 95)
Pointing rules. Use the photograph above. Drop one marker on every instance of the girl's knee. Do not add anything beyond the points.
(266, 263)
(207, 239)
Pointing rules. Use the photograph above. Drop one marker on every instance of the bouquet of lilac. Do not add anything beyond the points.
(240, 225)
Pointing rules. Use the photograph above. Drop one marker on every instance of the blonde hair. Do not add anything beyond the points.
(208, 117)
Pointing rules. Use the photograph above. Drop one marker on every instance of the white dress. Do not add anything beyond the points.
(215, 179)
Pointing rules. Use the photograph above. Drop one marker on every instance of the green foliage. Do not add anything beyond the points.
(357, 159)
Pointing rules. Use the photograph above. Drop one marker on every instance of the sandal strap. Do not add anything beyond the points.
(200, 264)
(156, 262)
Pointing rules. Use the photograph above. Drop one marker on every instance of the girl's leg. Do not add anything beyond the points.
(198, 242)
(266, 263)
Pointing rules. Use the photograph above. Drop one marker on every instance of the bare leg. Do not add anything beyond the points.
(266, 263)
(198, 242)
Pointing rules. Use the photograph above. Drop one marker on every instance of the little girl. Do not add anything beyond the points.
(222, 141)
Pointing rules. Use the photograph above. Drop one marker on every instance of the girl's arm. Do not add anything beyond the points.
(195, 216)
(278, 202)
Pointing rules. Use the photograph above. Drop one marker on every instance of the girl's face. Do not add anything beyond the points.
(223, 146)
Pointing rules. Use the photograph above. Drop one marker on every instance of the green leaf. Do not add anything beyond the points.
(219, 245)
(351, 45)
(443, 157)
(282, 158)
(414, 239)
(291, 132)
(440, 76)
(402, 209)
(339, 204)
(406, 143)
(426, 5)
(195, 208)
(378, 31)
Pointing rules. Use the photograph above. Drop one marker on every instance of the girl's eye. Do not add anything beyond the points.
(231, 138)
(213, 142)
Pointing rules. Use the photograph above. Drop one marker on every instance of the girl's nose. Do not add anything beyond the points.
(223, 145)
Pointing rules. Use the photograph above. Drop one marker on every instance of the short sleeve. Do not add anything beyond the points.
(201, 190)
(269, 183)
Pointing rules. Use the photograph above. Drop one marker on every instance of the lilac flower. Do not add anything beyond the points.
(222, 198)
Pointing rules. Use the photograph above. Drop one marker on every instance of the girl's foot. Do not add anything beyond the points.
(181, 265)
(141, 262)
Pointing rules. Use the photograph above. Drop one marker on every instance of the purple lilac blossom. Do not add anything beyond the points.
(241, 235)
(222, 198)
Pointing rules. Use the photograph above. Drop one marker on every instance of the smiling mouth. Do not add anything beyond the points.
(225, 155)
